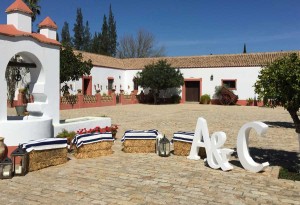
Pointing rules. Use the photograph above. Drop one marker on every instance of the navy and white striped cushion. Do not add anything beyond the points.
(45, 144)
(183, 136)
(88, 138)
(139, 134)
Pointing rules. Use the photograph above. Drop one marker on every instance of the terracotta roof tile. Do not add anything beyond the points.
(48, 23)
(101, 60)
(10, 30)
(208, 61)
(19, 5)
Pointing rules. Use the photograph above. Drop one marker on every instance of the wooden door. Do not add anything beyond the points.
(192, 91)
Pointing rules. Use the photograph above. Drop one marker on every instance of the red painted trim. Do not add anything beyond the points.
(183, 99)
(230, 80)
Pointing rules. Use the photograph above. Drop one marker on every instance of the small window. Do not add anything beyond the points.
(231, 84)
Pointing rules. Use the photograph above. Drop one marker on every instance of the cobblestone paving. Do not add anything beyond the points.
(148, 179)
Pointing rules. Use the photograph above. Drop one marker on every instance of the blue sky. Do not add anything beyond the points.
(190, 27)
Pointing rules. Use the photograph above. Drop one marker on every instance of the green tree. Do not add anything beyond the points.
(112, 33)
(245, 50)
(141, 46)
(159, 76)
(65, 35)
(72, 67)
(95, 43)
(87, 37)
(35, 8)
(279, 82)
(104, 38)
(78, 29)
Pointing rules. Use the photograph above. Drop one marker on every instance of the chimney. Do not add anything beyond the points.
(48, 28)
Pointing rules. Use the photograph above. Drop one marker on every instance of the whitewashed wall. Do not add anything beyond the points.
(245, 76)
(20, 20)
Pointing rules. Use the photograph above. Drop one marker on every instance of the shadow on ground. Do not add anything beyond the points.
(280, 124)
(280, 158)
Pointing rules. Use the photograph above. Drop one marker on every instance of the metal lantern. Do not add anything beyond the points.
(20, 161)
(164, 147)
(6, 169)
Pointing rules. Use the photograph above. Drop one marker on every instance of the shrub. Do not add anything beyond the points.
(175, 99)
(66, 134)
(205, 99)
(249, 101)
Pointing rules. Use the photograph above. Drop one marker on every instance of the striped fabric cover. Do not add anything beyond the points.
(183, 136)
(45, 144)
(139, 134)
(88, 138)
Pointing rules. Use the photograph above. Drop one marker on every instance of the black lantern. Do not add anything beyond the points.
(20, 161)
(6, 169)
(211, 78)
(164, 147)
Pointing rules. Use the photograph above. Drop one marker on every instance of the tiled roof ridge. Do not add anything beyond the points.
(205, 61)
(10, 30)
(48, 23)
(19, 5)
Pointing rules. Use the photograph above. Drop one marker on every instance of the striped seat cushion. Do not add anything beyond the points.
(45, 144)
(183, 136)
(139, 134)
(88, 138)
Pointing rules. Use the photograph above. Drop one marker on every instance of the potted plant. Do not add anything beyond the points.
(79, 91)
(66, 134)
(20, 109)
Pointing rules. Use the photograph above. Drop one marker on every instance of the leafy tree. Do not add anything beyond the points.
(65, 35)
(143, 46)
(78, 29)
(159, 76)
(95, 43)
(104, 38)
(112, 33)
(87, 37)
(72, 67)
(280, 83)
(35, 8)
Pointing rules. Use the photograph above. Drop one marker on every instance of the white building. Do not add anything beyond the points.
(201, 73)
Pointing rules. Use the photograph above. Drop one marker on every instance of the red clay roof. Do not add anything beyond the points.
(10, 30)
(19, 5)
(48, 23)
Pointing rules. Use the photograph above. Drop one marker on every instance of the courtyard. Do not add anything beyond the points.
(124, 178)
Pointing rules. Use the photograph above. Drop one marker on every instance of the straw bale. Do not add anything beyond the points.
(94, 146)
(139, 143)
(92, 154)
(144, 149)
(183, 149)
(39, 159)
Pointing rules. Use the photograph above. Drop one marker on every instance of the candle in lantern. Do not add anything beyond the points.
(18, 169)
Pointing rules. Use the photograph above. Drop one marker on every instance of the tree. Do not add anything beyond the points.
(112, 34)
(104, 38)
(87, 37)
(143, 46)
(159, 76)
(78, 29)
(35, 8)
(245, 50)
(280, 83)
(73, 67)
(65, 35)
(95, 43)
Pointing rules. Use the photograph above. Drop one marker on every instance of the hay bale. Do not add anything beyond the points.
(184, 148)
(93, 150)
(92, 154)
(139, 143)
(140, 149)
(39, 159)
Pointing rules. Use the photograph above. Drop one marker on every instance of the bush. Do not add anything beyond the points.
(249, 101)
(66, 134)
(175, 99)
(205, 99)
